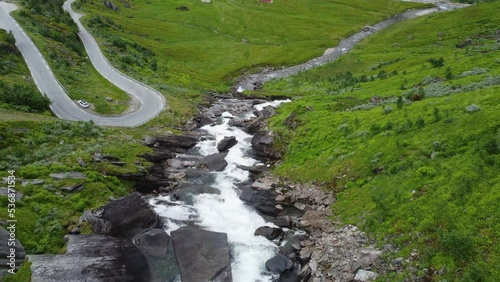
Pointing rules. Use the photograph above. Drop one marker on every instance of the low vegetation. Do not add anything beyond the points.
(405, 130)
(17, 90)
(205, 46)
(35, 150)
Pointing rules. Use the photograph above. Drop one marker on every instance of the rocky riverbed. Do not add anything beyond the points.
(209, 209)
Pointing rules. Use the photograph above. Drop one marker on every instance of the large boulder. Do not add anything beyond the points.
(187, 191)
(130, 215)
(92, 258)
(267, 112)
(202, 255)
(175, 143)
(156, 245)
(8, 258)
(226, 143)
(158, 156)
(99, 226)
(214, 162)
(279, 263)
(262, 144)
(270, 233)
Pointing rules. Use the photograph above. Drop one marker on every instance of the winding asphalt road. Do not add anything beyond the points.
(152, 102)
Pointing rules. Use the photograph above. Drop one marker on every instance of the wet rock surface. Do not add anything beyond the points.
(130, 215)
(202, 255)
(92, 258)
(214, 162)
(226, 143)
(156, 245)
(263, 145)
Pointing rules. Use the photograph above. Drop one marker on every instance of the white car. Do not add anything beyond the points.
(83, 103)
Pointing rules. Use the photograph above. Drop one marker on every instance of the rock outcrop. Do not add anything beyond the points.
(8, 258)
(92, 258)
(226, 143)
(124, 217)
(202, 255)
(263, 145)
(156, 245)
(214, 162)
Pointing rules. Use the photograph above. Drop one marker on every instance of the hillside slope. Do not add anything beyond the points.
(406, 128)
(205, 46)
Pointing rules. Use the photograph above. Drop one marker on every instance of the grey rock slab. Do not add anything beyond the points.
(187, 191)
(270, 233)
(92, 258)
(131, 214)
(99, 225)
(279, 263)
(4, 191)
(214, 162)
(68, 175)
(5, 249)
(156, 245)
(226, 143)
(73, 188)
(202, 255)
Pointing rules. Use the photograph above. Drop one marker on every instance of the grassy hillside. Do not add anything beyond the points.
(17, 89)
(34, 150)
(406, 130)
(202, 46)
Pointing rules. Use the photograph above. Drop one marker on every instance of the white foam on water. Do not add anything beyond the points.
(274, 104)
(226, 212)
(173, 213)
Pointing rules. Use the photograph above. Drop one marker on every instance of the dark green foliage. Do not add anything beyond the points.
(436, 63)
(492, 146)
(457, 243)
(16, 91)
(448, 73)
(420, 122)
(382, 74)
(24, 98)
(437, 116)
(60, 27)
(400, 102)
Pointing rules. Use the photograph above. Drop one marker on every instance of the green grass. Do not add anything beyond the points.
(63, 50)
(422, 175)
(36, 149)
(22, 275)
(405, 48)
(210, 45)
(17, 89)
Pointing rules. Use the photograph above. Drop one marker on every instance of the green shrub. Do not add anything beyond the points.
(420, 122)
(436, 63)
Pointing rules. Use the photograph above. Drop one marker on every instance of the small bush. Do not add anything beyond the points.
(472, 108)
(387, 110)
(474, 71)
(426, 171)
(420, 123)
(436, 63)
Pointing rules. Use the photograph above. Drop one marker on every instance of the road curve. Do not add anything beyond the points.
(255, 80)
(152, 102)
